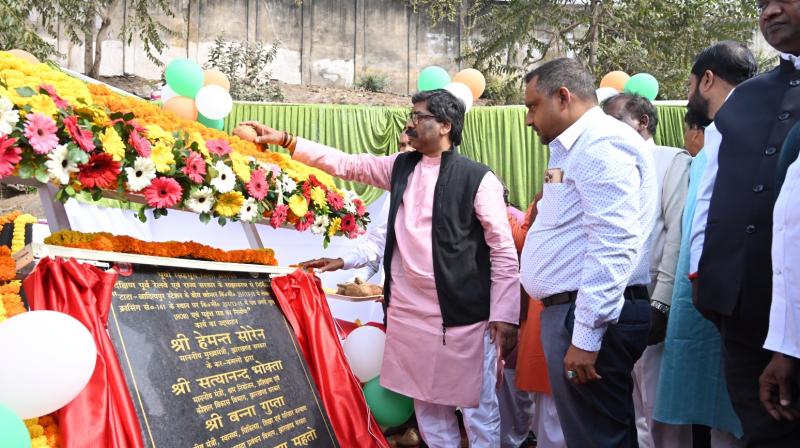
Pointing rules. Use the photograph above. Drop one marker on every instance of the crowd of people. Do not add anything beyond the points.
(660, 299)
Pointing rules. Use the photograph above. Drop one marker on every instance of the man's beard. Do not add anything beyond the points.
(699, 105)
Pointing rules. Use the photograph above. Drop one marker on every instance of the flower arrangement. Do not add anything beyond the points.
(56, 129)
(18, 236)
(173, 249)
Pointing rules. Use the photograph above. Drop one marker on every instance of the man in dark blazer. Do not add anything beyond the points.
(735, 273)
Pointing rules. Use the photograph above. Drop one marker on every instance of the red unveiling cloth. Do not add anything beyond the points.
(102, 415)
(303, 303)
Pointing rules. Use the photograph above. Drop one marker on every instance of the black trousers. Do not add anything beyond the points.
(745, 360)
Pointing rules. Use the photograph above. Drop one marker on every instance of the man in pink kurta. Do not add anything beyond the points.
(440, 366)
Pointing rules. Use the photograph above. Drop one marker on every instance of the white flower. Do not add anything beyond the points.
(287, 184)
(142, 173)
(59, 167)
(320, 225)
(249, 210)
(200, 200)
(8, 116)
(225, 180)
(349, 206)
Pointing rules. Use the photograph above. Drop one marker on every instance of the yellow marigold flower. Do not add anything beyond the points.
(240, 166)
(336, 224)
(229, 204)
(298, 205)
(113, 144)
(318, 196)
(162, 156)
(43, 104)
(36, 431)
(39, 442)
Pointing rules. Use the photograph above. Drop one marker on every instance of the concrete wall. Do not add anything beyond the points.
(324, 42)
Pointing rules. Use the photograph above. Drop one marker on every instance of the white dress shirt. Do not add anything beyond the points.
(793, 59)
(784, 316)
(592, 228)
(368, 254)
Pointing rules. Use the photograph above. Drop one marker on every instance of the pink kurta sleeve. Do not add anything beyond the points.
(491, 211)
(364, 168)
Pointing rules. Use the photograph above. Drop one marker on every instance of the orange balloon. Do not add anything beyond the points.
(22, 54)
(216, 77)
(183, 107)
(472, 79)
(615, 80)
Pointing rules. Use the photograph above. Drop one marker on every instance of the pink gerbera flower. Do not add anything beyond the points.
(59, 102)
(195, 168)
(163, 192)
(41, 133)
(279, 215)
(335, 200)
(305, 222)
(139, 143)
(360, 209)
(9, 155)
(348, 223)
(81, 136)
(100, 171)
(258, 187)
(219, 147)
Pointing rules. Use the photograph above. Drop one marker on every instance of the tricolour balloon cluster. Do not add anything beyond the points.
(196, 94)
(468, 85)
(613, 83)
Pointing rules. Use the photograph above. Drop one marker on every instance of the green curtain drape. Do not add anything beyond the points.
(496, 136)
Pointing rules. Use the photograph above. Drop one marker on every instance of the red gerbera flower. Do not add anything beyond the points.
(81, 136)
(305, 222)
(360, 209)
(279, 216)
(335, 200)
(307, 190)
(258, 187)
(59, 102)
(219, 147)
(313, 179)
(139, 143)
(163, 192)
(195, 168)
(100, 171)
(348, 223)
(9, 155)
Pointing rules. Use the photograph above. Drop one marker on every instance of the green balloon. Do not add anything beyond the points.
(209, 123)
(389, 408)
(643, 84)
(185, 77)
(13, 433)
(432, 78)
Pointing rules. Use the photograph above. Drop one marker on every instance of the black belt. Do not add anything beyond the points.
(631, 293)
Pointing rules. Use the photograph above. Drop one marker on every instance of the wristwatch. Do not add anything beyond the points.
(662, 307)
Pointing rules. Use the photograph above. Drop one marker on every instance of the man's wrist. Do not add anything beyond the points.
(660, 307)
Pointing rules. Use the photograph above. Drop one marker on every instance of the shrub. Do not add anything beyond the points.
(246, 64)
(372, 82)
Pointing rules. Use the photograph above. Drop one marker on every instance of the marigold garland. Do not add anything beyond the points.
(20, 223)
(172, 249)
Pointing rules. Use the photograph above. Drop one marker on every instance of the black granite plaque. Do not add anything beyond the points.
(211, 362)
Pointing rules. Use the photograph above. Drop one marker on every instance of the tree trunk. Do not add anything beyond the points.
(88, 47)
(98, 46)
(595, 30)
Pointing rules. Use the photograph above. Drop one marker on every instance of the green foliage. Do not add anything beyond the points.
(17, 32)
(372, 82)
(246, 66)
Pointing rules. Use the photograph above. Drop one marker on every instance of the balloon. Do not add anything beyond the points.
(364, 350)
(616, 80)
(184, 76)
(432, 78)
(643, 84)
(461, 92)
(604, 93)
(214, 102)
(167, 94)
(13, 432)
(389, 408)
(213, 76)
(183, 107)
(22, 54)
(48, 358)
(472, 79)
(209, 123)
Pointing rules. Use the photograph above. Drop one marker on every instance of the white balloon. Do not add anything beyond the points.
(364, 349)
(48, 358)
(214, 102)
(167, 93)
(604, 93)
(462, 92)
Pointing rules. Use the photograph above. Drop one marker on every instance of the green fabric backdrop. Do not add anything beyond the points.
(496, 136)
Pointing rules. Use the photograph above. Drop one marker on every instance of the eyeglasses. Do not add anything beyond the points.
(415, 117)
